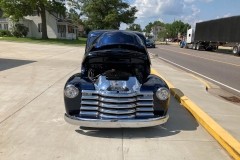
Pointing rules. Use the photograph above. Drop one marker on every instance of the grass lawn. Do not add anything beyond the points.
(79, 42)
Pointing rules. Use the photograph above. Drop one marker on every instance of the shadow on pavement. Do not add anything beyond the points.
(11, 63)
(180, 120)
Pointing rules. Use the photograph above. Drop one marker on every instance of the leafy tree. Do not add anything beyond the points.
(75, 13)
(107, 14)
(178, 27)
(148, 27)
(163, 34)
(19, 30)
(17, 9)
(135, 27)
(75, 17)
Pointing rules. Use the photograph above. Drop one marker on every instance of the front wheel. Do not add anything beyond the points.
(194, 46)
(198, 46)
(236, 51)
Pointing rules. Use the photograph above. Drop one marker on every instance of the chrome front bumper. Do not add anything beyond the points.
(115, 123)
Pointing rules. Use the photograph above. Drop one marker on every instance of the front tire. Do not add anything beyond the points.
(194, 46)
(198, 47)
(235, 51)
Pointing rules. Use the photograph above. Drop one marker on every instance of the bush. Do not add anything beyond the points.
(19, 30)
(5, 33)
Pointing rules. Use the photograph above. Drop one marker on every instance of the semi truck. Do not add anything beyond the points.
(209, 35)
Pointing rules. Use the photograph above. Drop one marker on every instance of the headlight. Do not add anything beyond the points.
(71, 91)
(162, 93)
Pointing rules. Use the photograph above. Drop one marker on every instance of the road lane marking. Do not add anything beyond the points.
(200, 75)
(200, 79)
(238, 65)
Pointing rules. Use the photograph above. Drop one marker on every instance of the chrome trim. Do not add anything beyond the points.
(113, 94)
(124, 94)
(132, 84)
(89, 102)
(142, 98)
(117, 106)
(117, 100)
(90, 97)
(144, 114)
(92, 108)
(144, 103)
(142, 93)
(89, 113)
(144, 109)
(114, 111)
(115, 123)
(109, 116)
(90, 91)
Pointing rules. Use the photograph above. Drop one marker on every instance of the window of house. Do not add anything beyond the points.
(39, 27)
(61, 28)
(6, 26)
(70, 29)
(0, 26)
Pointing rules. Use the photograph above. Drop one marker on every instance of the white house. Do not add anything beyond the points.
(57, 26)
(3, 22)
(155, 30)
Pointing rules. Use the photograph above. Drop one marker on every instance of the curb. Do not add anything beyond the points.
(227, 141)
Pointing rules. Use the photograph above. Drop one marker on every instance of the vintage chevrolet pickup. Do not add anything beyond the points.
(115, 88)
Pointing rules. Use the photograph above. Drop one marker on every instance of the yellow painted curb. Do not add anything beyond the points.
(221, 135)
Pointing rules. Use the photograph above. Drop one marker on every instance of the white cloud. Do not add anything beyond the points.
(160, 19)
(152, 10)
(206, 1)
(227, 15)
(191, 16)
(158, 7)
(224, 16)
(189, 1)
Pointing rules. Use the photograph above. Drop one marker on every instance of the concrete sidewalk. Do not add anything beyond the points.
(224, 113)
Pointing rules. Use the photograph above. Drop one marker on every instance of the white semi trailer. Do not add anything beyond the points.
(209, 35)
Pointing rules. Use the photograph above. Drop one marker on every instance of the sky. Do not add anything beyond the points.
(188, 11)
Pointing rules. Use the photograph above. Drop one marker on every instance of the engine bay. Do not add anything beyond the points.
(117, 71)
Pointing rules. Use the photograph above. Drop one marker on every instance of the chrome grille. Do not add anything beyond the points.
(105, 104)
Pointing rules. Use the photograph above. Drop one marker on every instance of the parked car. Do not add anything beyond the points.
(115, 87)
(150, 43)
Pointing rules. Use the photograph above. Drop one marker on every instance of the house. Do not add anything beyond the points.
(57, 26)
(155, 30)
(3, 22)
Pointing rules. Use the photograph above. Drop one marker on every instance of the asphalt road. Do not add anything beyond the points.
(32, 77)
(219, 68)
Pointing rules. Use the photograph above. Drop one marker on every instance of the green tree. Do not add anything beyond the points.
(134, 27)
(148, 27)
(163, 34)
(75, 13)
(19, 30)
(178, 27)
(107, 14)
(17, 9)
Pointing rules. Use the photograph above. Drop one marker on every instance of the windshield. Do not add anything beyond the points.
(149, 40)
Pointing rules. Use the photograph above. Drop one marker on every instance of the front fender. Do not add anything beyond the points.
(152, 83)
